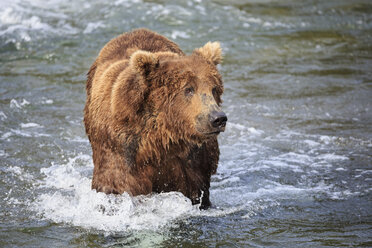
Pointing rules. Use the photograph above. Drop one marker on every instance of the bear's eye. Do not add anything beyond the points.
(214, 92)
(216, 95)
(189, 91)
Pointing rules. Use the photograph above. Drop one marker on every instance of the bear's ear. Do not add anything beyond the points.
(211, 52)
(143, 62)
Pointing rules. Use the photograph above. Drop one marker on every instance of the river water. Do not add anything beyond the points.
(295, 167)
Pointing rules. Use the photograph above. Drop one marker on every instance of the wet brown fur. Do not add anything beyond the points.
(145, 132)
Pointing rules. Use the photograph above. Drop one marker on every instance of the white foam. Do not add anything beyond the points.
(320, 164)
(93, 26)
(6, 135)
(254, 20)
(7, 16)
(20, 25)
(366, 172)
(24, 133)
(47, 101)
(3, 116)
(126, 2)
(255, 131)
(3, 153)
(311, 143)
(237, 126)
(244, 129)
(182, 34)
(30, 125)
(19, 172)
(14, 169)
(90, 209)
(35, 23)
(258, 167)
(332, 157)
(283, 164)
(63, 177)
(24, 23)
(21, 133)
(295, 158)
(15, 104)
(72, 201)
(341, 195)
(79, 139)
(202, 10)
(326, 139)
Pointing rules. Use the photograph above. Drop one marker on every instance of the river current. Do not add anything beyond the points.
(295, 167)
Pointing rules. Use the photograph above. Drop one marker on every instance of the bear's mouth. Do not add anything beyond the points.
(214, 133)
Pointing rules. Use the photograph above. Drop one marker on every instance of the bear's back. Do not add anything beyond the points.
(126, 44)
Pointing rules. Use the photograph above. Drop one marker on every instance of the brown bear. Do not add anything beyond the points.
(152, 116)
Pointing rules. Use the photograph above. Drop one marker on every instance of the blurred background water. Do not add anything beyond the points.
(295, 166)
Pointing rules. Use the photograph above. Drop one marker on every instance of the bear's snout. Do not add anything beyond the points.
(212, 120)
(218, 120)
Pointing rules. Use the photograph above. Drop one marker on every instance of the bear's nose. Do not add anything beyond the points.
(218, 119)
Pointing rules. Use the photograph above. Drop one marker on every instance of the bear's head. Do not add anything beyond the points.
(180, 96)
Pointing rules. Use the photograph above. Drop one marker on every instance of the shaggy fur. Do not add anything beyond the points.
(146, 116)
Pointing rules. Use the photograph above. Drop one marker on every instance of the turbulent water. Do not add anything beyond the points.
(295, 167)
